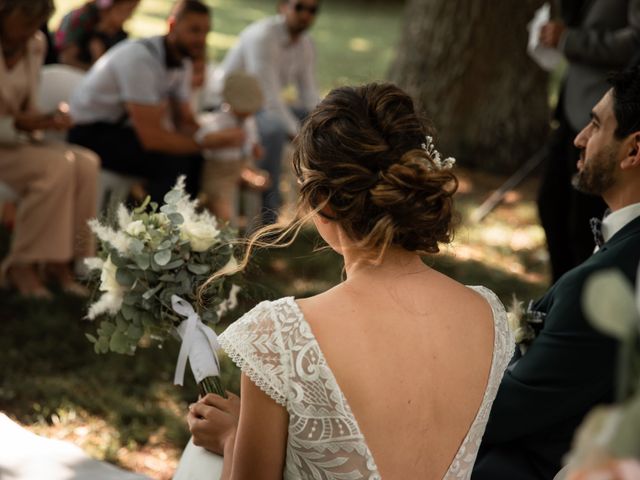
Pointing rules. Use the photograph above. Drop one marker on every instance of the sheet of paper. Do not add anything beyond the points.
(546, 58)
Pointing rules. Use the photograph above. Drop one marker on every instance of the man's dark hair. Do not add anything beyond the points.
(626, 100)
(33, 9)
(182, 7)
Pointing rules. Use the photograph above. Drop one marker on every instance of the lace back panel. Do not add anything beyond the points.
(274, 346)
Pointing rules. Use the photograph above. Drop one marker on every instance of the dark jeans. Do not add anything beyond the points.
(121, 151)
(273, 135)
(565, 212)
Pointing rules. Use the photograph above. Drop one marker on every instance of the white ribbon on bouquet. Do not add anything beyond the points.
(199, 344)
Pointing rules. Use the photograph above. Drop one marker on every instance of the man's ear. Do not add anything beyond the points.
(632, 158)
(171, 22)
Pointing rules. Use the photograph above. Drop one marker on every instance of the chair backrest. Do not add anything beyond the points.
(57, 83)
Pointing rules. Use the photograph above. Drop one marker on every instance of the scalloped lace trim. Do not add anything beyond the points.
(252, 372)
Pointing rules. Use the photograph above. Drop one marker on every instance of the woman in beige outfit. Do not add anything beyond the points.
(56, 182)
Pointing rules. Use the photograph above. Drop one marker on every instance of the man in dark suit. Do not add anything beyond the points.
(569, 368)
(596, 37)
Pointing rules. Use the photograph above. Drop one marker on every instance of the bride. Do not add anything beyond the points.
(392, 373)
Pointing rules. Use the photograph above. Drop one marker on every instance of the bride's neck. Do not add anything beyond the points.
(394, 262)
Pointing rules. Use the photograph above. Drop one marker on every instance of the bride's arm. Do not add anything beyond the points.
(253, 446)
(260, 442)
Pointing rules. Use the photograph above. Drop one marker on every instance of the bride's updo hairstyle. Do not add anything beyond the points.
(361, 159)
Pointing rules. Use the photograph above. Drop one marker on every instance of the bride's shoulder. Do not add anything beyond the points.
(268, 315)
(490, 297)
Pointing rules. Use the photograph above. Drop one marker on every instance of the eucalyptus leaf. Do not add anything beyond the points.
(128, 312)
(121, 323)
(166, 244)
(198, 268)
(134, 332)
(176, 218)
(125, 277)
(117, 260)
(142, 260)
(130, 298)
(152, 291)
(172, 196)
(136, 245)
(608, 303)
(625, 442)
(103, 345)
(175, 264)
(91, 338)
(119, 342)
(106, 328)
(148, 320)
(162, 257)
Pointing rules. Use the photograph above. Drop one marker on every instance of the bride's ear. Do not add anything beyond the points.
(327, 215)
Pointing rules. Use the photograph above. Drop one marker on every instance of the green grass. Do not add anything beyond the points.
(355, 41)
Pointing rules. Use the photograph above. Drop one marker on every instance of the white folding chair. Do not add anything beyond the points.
(57, 84)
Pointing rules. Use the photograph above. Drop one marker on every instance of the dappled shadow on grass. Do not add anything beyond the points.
(50, 371)
(121, 408)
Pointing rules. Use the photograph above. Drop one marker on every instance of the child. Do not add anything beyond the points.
(242, 98)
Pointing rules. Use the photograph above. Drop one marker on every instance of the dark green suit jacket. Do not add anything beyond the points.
(567, 370)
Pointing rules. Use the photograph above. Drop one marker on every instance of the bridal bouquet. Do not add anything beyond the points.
(152, 262)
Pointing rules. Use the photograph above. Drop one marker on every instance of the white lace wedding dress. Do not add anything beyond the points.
(274, 346)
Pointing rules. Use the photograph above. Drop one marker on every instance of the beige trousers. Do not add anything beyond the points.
(57, 188)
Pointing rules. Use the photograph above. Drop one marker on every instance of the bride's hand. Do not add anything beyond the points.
(213, 421)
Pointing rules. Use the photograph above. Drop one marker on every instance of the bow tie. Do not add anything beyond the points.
(596, 229)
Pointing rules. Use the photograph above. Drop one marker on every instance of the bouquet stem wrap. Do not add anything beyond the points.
(199, 345)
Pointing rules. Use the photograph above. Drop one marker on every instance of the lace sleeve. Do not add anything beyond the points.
(254, 343)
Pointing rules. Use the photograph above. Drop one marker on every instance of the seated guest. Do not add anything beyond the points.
(86, 33)
(133, 107)
(56, 182)
(222, 167)
(569, 368)
(280, 53)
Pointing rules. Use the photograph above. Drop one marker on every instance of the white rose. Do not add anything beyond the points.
(201, 235)
(135, 228)
(108, 282)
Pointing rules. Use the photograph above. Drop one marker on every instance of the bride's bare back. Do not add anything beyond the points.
(411, 350)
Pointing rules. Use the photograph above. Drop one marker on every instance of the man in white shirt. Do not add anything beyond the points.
(279, 52)
(133, 110)
(570, 367)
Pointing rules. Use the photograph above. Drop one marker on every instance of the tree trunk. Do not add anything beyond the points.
(465, 63)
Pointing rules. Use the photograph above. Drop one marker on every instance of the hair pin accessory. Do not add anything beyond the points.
(436, 158)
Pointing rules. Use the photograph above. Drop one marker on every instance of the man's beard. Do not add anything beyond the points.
(597, 174)
(185, 51)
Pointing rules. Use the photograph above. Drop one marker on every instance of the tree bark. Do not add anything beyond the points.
(465, 64)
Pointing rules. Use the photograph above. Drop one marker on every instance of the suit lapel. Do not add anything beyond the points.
(630, 229)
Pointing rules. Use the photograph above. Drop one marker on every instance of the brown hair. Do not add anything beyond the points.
(360, 161)
(33, 9)
(183, 7)
(361, 151)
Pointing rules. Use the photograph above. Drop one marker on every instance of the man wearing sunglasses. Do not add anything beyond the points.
(279, 52)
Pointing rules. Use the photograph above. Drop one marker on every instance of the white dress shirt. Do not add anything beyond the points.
(615, 221)
(265, 50)
(221, 120)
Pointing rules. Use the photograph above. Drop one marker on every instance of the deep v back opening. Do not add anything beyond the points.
(478, 409)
